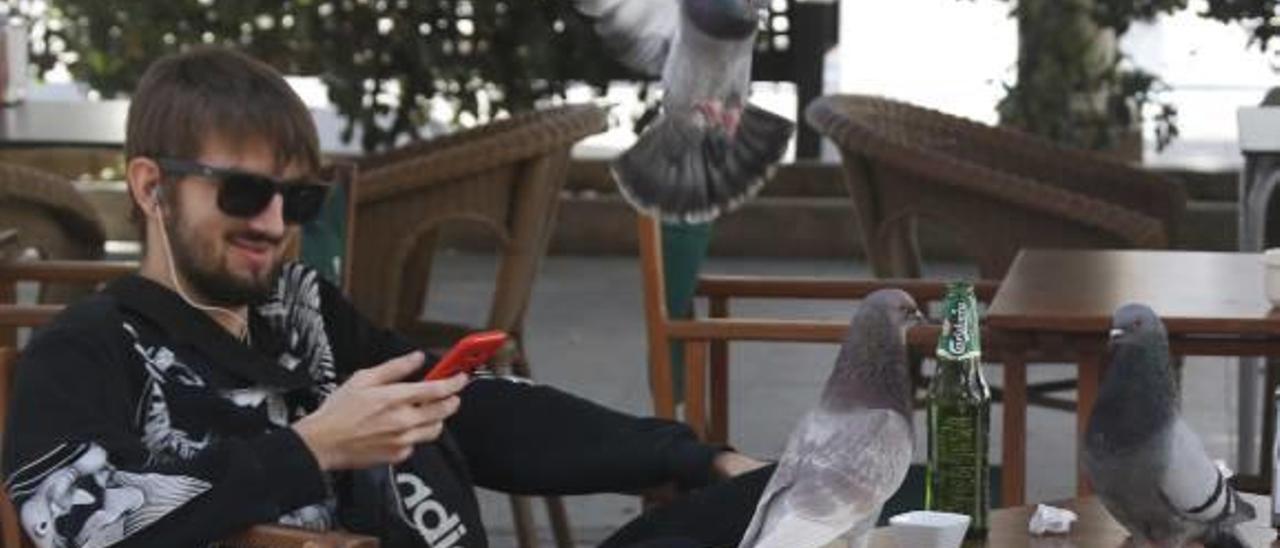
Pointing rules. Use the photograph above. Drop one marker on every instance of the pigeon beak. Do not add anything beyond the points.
(1115, 332)
(917, 318)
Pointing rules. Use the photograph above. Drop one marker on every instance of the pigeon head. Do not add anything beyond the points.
(882, 321)
(723, 19)
(897, 305)
(871, 369)
(1140, 358)
(1135, 323)
(1139, 394)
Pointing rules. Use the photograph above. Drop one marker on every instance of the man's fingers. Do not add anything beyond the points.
(444, 388)
(405, 417)
(417, 392)
(389, 371)
(422, 434)
(439, 410)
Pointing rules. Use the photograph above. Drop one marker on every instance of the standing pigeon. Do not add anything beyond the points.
(851, 453)
(710, 150)
(1149, 469)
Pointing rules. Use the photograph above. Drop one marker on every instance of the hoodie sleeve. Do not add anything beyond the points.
(77, 471)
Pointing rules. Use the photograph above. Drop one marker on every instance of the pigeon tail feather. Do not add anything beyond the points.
(687, 172)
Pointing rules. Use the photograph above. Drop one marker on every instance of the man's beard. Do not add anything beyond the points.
(206, 275)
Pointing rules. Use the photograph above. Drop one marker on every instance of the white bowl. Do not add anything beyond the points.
(923, 529)
(1271, 264)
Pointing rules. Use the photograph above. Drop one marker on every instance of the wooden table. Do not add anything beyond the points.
(1094, 529)
(1059, 303)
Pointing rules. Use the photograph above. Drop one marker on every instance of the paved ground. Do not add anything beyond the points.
(586, 334)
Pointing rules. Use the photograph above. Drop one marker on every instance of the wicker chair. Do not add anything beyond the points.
(996, 189)
(507, 176)
(48, 215)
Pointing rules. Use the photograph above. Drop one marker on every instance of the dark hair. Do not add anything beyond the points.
(185, 99)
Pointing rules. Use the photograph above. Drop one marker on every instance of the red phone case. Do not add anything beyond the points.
(471, 352)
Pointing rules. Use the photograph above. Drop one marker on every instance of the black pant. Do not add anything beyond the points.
(716, 515)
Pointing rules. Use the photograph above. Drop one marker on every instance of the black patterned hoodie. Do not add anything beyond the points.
(137, 420)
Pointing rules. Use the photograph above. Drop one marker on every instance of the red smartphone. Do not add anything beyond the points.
(469, 353)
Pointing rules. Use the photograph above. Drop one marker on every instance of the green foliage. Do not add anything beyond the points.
(1073, 87)
(1065, 94)
(383, 60)
(1119, 14)
(1261, 17)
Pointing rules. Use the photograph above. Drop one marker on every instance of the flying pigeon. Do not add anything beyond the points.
(1149, 469)
(710, 150)
(850, 453)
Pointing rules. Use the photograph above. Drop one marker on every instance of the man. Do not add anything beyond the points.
(221, 387)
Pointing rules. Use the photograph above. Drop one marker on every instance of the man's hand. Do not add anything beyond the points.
(374, 419)
(730, 463)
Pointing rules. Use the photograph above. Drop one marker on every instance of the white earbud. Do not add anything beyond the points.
(155, 200)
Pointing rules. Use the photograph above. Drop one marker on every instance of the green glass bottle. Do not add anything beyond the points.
(960, 416)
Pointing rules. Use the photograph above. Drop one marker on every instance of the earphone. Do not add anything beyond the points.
(173, 273)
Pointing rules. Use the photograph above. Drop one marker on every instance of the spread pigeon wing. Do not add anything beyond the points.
(639, 32)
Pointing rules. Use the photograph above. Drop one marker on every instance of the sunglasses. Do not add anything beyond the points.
(243, 194)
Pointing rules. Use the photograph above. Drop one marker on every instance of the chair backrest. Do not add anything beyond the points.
(48, 215)
(898, 132)
(997, 189)
(326, 242)
(505, 175)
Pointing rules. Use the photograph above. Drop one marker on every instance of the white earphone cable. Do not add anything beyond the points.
(177, 284)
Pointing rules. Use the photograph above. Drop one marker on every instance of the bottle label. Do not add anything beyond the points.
(961, 333)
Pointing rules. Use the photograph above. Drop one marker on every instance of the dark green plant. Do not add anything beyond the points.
(1261, 17)
(382, 60)
(1073, 86)
(1067, 96)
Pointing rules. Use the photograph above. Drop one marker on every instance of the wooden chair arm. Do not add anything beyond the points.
(721, 286)
(65, 271)
(279, 536)
(922, 338)
(28, 315)
(750, 329)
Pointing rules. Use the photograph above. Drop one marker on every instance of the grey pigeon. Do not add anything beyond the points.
(850, 453)
(709, 151)
(1149, 469)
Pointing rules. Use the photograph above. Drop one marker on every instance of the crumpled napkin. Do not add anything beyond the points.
(1047, 519)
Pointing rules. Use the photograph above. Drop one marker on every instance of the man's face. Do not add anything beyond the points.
(227, 260)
